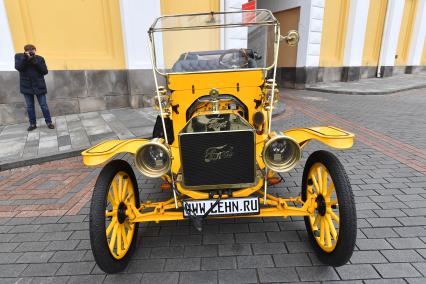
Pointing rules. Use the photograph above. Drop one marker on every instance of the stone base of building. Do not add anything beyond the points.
(300, 77)
(78, 91)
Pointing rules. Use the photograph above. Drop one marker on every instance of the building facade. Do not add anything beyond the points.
(346, 40)
(97, 50)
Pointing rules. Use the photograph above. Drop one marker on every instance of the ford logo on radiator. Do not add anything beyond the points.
(218, 153)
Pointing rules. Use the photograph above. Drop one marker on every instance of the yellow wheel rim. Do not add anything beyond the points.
(119, 231)
(325, 220)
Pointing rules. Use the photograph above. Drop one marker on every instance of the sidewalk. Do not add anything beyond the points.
(373, 86)
(74, 133)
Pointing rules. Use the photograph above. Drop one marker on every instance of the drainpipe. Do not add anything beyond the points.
(381, 42)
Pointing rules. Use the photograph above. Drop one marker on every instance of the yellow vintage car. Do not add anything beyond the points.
(213, 145)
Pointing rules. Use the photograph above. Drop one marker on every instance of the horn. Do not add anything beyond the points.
(281, 153)
(153, 159)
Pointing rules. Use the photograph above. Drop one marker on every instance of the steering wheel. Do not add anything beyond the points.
(237, 58)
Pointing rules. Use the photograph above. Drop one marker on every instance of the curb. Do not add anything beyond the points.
(74, 153)
(345, 92)
(41, 159)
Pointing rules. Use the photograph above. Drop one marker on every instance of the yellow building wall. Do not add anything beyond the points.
(373, 32)
(405, 32)
(77, 34)
(423, 59)
(177, 42)
(334, 32)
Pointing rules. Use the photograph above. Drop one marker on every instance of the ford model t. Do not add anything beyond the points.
(213, 145)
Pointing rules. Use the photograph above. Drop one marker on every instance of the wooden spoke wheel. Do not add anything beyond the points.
(332, 226)
(112, 235)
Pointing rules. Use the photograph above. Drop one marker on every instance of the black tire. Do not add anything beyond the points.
(345, 244)
(98, 238)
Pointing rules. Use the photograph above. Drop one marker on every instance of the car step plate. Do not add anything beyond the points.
(226, 207)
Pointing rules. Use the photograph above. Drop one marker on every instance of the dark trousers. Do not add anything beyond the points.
(29, 100)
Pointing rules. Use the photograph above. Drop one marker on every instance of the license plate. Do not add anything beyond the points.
(228, 206)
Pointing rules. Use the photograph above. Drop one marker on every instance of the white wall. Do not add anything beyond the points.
(235, 37)
(418, 36)
(137, 16)
(7, 51)
(391, 32)
(355, 33)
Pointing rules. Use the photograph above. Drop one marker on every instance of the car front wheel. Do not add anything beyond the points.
(332, 227)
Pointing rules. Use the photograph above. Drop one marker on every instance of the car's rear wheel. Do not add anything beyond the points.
(112, 236)
(332, 226)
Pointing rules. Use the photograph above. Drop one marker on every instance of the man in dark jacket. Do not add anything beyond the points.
(32, 69)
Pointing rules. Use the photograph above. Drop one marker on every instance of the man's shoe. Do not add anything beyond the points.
(51, 126)
(32, 127)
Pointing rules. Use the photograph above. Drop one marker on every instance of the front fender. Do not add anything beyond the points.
(106, 150)
(328, 135)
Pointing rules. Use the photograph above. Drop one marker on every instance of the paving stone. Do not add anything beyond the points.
(185, 264)
(371, 244)
(62, 245)
(282, 236)
(216, 263)
(166, 252)
(146, 265)
(11, 270)
(250, 237)
(268, 248)
(277, 275)
(403, 255)
(198, 277)
(395, 270)
(48, 279)
(406, 243)
(238, 276)
(35, 257)
(8, 247)
(357, 271)
(235, 249)
(416, 280)
(317, 273)
(75, 268)
(56, 236)
(31, 246)
(201, 251)
(160, 277)
(385, 281)
(264, 227)
(218, 239)
(296, 247)
(254, 261)
(292, 259)
(9, 257)
(27, 237)
(67, 256)
(125, 278)
(41, 269)
(379, 233)
(368, 256)
(421, 266)
(86, 279)
(233, 228)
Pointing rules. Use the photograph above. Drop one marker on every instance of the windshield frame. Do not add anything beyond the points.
(273, 22)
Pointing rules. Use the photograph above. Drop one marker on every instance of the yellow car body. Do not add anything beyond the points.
(234, 101)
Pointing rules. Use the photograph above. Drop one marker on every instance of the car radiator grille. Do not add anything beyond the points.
(218, 159)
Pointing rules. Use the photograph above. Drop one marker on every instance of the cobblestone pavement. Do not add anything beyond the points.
(44, 223)
(73, 132)
(374, 86)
